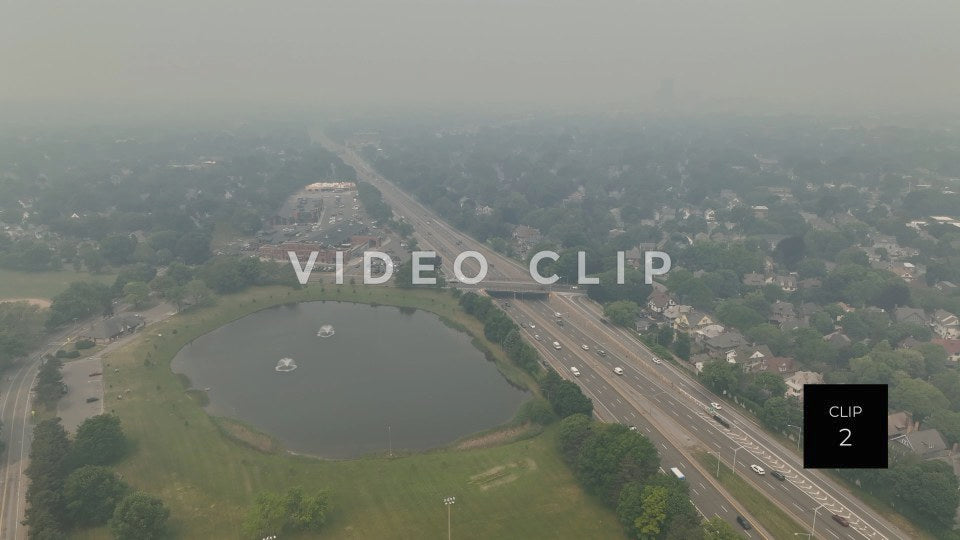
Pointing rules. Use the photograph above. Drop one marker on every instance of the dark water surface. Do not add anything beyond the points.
(382, 367)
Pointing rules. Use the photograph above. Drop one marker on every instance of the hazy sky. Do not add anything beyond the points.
(754, 55)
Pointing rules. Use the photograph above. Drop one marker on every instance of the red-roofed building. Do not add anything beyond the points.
(952, 346)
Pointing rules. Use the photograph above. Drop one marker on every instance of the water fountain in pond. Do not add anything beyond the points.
(325, 331)
(285, 365)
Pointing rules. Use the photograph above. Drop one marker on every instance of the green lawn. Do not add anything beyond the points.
(516, 490)
(15, 284)
(773, 519)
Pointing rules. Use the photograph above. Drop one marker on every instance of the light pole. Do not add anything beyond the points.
(813, 529)
(799, 435)
(735, 450)
(448, 501)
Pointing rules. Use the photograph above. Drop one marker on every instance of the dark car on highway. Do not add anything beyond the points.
(744, 523)
(841, 520)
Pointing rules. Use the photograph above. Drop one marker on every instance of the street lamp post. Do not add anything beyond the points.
(799, 435)
(735, 450)
(448, 501)
(813, 529)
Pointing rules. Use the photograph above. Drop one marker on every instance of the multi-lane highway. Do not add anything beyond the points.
(666, 403)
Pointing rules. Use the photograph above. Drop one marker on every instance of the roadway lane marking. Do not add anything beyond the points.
(833, 534)
(724, 508)
(802, 509)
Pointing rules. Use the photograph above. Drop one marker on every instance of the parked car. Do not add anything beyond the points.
(92, 399)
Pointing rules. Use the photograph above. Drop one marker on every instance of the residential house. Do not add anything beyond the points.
(794, 323)
(633, 257)
(748, 356)
(781, 311)
(810, 283)
(899, 424)
(109, 329)
(707, 332)
(945, 286)
(727, 341)
(837, 339)
(781, 365)
(675, 311)
(526, 237)
(760, 211)
(659, 301)
(952, 346)
(796, 381)
(945, 324)
(753, 279)
(786, 283)
(925, 444)
(911, 315)
(699, 319)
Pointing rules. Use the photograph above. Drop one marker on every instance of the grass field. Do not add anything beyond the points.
(44, 284)
(516, 490)
(773, 519)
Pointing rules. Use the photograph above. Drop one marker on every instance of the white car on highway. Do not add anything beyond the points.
(585, 347)
(657, 361)
(618, 370)
(758, 469)
(716, 405)
(575, 371)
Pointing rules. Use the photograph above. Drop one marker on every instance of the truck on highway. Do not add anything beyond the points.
(676, 472)
(722, 421)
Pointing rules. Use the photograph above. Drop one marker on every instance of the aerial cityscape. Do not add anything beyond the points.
(453, 269)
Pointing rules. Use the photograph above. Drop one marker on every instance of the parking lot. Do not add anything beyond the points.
(73, 407)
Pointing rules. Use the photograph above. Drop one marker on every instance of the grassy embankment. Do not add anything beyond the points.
(518, 489)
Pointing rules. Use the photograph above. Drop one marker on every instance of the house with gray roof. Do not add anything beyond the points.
(111, 328)
(911, 315)
(925, 444)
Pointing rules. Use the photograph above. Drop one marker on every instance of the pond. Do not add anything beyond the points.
(341, 380)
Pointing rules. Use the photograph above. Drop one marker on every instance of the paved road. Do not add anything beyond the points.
(15, 407)
(651, 391)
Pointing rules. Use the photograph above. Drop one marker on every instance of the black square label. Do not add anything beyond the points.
(844, 426)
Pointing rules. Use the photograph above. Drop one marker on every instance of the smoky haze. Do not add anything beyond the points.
(749, 55)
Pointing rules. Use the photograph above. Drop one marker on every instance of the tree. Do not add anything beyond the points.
(91, 494)
(720, 376)
(777, 412)
(565, 396)
(139, 517)
(622, 312)
(136, 293)
(49, 387)
(919, 397)
(197, 293)
(716, 528)
(287, 513)
(681, 345)
(99, 441)
(650, 521)
(48, 456)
